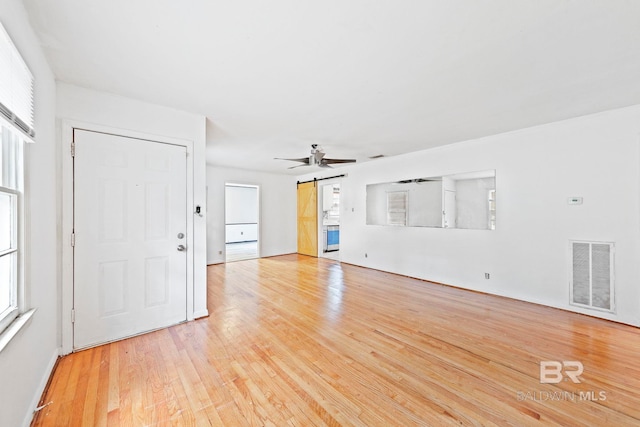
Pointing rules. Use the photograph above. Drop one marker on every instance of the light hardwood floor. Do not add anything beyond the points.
(300, 341)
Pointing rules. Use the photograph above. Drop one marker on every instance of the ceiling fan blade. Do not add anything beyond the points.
(302, 159)
(297, 166)
(316, 159)
(327, 161)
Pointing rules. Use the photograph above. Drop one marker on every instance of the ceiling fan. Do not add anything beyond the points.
(316, 159)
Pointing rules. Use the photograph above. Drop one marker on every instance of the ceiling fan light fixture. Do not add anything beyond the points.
(316, 158)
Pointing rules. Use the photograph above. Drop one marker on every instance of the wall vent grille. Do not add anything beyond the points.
(592, 278)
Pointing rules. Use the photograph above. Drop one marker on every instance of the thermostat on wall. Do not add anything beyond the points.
(574, 200)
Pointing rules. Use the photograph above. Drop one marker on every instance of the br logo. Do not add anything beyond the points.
(553, 372)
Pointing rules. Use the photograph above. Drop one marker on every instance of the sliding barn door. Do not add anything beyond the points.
(308, 219)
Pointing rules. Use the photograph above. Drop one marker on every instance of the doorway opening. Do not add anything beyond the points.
(330, 227)
(241, 222)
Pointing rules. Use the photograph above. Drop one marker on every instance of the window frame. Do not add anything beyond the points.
(17, 299)
(17, 108)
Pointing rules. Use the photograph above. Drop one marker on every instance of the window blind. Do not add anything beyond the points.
(16, 86)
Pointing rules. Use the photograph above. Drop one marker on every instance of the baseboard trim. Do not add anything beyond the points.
(201, 313)
(44, 381)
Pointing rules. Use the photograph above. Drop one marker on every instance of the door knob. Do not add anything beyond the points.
(181, 248)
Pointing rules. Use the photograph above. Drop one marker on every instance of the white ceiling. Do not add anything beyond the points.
(358, 77)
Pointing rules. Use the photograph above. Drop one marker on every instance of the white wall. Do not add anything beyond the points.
(277, 211)
(596, 157)
(472, 202)
(102, 109)
(241, 204)
(26, 362)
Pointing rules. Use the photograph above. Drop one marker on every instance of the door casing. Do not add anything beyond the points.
(67, 218)
(325, 183)
(258, 213)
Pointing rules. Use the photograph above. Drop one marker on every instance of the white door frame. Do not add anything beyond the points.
(243, 184)
(319, 196)
(67, 217)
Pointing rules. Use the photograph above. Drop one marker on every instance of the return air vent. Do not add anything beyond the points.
(592, 283)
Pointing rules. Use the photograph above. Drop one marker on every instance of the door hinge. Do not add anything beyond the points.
(73, 315)
(73, 240)
(73, 149)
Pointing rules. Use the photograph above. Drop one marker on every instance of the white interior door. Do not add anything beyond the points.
(130, 219)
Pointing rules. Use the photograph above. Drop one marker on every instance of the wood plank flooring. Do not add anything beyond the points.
(301, 341)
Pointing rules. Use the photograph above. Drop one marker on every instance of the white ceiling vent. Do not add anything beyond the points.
(592, 278)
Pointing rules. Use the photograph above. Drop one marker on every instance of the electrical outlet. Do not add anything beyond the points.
(487, 276)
